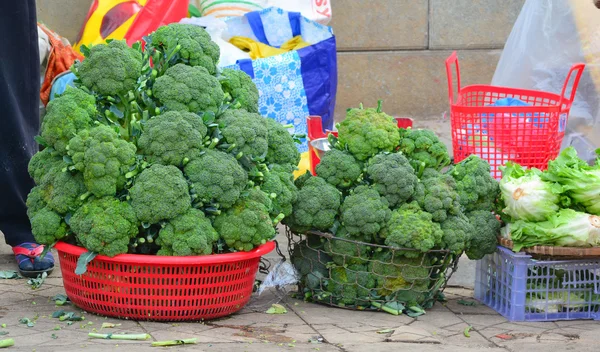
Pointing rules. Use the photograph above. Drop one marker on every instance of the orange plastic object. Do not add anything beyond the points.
(529, 135)
(161, 288)
(315, 131)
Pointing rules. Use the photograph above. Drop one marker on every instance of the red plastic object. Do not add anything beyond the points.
(528, 135)
(154, 14)
(315, 131)
(161, 288)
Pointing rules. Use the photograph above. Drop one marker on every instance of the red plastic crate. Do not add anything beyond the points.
(528, 135)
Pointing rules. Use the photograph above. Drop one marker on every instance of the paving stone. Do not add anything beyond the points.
(483, 321)
(411, 334)
(339, 335)
(439, 319)
(458, 308)
(387, 347)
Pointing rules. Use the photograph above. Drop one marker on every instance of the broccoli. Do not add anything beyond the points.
(216, 177)
(62, 190)
(316, 208)
(42, 163)
(245, 225)
(240, 87)
(400, 276)
(485, 236)
(364, 213)
(247, 131)
(188, 44)
(344, 250)
(280, 184)
(66, 116)
(188, 234)
(110, 69)
(311, 263)
(105, 225)
(475, 186)
(457, 233)
(282, 147)
(339, 168)
(301, 180)
(187, 88)
(47, 226)
(424, 149)
(103, 158)
(437, 195)
(350, 285)
(160, 193)
(172, 137)
(366, 132)
(393, 177)
(410, 227)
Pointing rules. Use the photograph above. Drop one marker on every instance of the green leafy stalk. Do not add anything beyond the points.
(7, 343)
(174, 342)
(119, 336)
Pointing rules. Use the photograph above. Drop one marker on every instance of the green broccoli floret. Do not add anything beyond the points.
(160, 193)
(191, 45)
(216, 178)
(475, 186)
(364, 213)
(280, 185)
(35, 200)
(66, 116)
(240, 87)
(110, 69)
(47, 226)
(410, 227)
(339, 168)
(436, 194)
(188, 234)
(105, 225)
(282, 147)
(393, 177)
(457, 233)
(366, 132)
(42, 163)
(247, 131)
(62, 190)
(245, 225)
(484, 239)
(398, 275)
(350, 285)
(424, 149)
(187, 88)
(311, 263)
(171, 137)
(344, 249)
(316, 208)
(103, 158)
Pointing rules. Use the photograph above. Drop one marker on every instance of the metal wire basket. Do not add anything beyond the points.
(363, 276)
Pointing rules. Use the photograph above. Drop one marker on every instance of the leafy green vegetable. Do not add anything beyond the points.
(9, 274)
(276, 309)
(83, 261)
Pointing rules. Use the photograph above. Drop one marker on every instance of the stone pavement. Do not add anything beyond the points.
(305, 327)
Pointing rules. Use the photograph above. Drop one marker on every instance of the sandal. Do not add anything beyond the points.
(30, 263)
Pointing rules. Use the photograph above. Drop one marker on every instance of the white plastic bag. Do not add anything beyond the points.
(548, 37)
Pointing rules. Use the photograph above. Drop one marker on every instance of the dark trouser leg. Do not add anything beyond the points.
(19, 114)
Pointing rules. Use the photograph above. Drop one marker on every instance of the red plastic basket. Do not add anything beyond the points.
(528, 135)
(160, 288)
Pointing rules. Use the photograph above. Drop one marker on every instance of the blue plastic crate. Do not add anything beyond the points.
(525, 289)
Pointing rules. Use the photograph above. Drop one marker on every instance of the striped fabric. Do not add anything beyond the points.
(229, 8)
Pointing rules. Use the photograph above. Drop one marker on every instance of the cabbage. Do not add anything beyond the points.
(526, 196)
(567, 228)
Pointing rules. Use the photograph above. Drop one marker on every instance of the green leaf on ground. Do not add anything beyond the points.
(27, 321)
(3, 333)
(276, 309)
(83, 261)
(9, 274)
(38, 281)
(467, 303)
(60, 299)
(467, 330)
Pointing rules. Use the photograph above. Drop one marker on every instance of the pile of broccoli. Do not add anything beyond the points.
(396, 210)
(158, 151)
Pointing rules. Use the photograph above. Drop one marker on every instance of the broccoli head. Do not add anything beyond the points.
(247, 131)
(240, 87)
(105, 225)
(344, 249)
(280, 186)
(350, 285)
(339, 168)
(62, 190)
(364, 213)
(44, 162)
(393, 177)
(282, 147)
(475, 186)
(245, 225)
(394, 273)
(188, 234)
(188, 88)
(366, 132)
(436, 194)
(110, 69)
(316, 208)
(311, 263)
(195, 46)
(103, 158)
(410, 227)
(66, 116)
(47, 226)
(457, 233)
(160, 193)
(424, 149)
(216, 178)
(485, 236)
(171, 137)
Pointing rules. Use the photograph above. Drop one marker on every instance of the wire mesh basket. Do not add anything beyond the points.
(363, 276)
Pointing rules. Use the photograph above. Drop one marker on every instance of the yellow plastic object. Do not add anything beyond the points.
(303, 166)
(258, 50)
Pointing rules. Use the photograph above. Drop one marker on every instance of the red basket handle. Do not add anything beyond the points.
(578, 68)
(452, 59)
